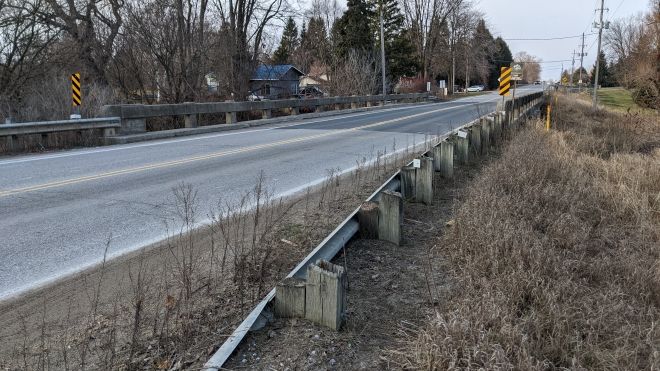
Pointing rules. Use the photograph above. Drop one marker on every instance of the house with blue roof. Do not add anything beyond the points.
(276, 81)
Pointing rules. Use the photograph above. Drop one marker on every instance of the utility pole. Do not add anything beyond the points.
(382, 49)
(600, 27)
(582, 55)
(573, 68)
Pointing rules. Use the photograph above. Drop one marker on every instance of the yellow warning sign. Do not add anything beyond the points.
(505, 80)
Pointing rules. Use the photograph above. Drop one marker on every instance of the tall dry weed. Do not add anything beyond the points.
(556, 253)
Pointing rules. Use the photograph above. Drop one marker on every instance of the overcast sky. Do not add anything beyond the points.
(514, 19)
(517, 19)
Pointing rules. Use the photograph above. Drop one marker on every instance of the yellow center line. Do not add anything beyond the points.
(214, 155)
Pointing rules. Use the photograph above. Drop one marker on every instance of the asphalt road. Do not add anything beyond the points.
(58, 210)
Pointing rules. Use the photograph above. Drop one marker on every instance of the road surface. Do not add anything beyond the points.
(58, 210)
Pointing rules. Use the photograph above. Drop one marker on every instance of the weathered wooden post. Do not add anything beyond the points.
(497, 128)
(462, 146)
(266, 114)
(424, 181)
(325, 296)
(293, 111)
(368, 220)
(407, 177)
(446, 159)
(390, 216)
(318, 108)
(475, 140)
(485, 135)
(290, 298)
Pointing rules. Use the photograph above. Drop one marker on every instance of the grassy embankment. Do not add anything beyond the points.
(555, 252)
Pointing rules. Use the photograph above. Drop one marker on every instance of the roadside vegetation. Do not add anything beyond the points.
(553, 258)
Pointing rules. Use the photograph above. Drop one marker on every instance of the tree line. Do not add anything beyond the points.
(168, 50)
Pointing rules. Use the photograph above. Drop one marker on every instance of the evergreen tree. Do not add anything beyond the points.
(502, 57)
(316, 41)
(288, 44)
(352, 31)
(585, 76)
(483, 46)
(604, 76)
(399, 49)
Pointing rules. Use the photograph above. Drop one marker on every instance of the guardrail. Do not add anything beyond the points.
(133, 116)
(109, 125)
(340, 236)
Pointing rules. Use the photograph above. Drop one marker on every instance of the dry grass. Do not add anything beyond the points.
(555, 253)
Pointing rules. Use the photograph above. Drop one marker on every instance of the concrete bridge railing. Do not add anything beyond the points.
(134, 116)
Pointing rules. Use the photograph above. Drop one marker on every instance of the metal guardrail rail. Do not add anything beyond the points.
(45, 127)
(330, 246)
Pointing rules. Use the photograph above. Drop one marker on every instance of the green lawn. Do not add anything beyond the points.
(618, 99)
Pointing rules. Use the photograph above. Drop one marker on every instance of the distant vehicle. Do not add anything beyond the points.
(310, 92)
(475, 88)
(254, 97)
(537, 82)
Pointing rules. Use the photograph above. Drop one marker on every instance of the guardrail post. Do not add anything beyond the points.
(266, 114)
(318, 109)
(325, 296)
(293, 111)
(485, 135)
(497, 128)
(407, 176)
(462, 148)
(368, 220)
(424, 181)
(475, 139)
(368, 103)
(390, 216)
(290, 298)
(443, 159)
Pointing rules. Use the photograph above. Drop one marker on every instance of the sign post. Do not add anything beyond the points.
(516, 75)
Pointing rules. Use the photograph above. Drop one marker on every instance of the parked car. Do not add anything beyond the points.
(254, 97)
(310, 92)
(475, 88)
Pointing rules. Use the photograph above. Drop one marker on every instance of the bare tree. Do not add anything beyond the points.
(24, 49)
(92, 26)
(424, 18)
(164, 53)
(531, 66)
(244, 23)
(357, 74)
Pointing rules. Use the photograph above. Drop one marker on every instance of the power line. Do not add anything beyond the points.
(615, 10)
(549, 38)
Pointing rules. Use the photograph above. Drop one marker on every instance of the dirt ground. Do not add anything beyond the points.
(392, 291)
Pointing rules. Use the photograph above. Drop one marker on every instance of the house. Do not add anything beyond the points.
(316, 77)
(276, 81)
